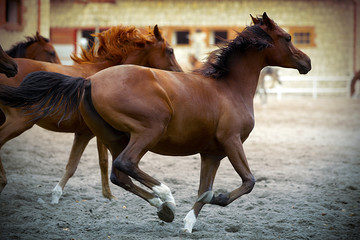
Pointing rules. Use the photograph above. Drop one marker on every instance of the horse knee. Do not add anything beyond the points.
(250, 183)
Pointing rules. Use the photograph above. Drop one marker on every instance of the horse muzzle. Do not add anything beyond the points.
(304, 65)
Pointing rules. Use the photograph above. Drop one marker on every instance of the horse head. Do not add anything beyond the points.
(282, 52)
(161, 54)
(42, 50)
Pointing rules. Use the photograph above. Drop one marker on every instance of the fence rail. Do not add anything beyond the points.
(314, 89)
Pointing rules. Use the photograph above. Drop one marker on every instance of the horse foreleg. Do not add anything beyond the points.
(80, 142)
(209, 166)
(235, 152)
(104, 165)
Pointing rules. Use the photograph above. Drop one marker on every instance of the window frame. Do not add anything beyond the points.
(170, 33)
(4, 24)
(310, 30)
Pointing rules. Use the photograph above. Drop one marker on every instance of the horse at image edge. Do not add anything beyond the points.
(210, 111)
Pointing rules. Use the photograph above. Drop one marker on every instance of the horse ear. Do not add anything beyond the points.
(255, 20)
(157, 33)
(267, 21)
(40, 38)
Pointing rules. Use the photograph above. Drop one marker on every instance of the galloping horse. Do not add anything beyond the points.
(353, 83)
(36, 47)
(8, 65)
(261, 88)
(134, 109)
(118, 45)
(194, 62)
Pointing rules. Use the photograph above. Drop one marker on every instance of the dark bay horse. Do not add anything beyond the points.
(36, 47)
(133, 110)
(8, 65)
(118, 45)
(353, 83)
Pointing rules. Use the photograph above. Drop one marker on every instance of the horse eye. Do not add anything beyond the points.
(52, 54)
(288, 38)
(170, 51)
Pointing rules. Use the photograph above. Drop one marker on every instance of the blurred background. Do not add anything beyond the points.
(326, 30)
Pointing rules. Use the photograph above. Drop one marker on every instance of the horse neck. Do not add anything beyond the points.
(137, 57)
(33, 51)
(244, 74)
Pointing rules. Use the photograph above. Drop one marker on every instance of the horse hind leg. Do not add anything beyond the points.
(13, 123)
(162, 198)
(116, 141)
(127, 162)
(80, 142)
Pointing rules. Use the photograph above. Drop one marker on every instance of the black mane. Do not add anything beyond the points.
(216, 65)
(18, 49)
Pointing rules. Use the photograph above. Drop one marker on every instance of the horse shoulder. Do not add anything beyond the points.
(236, 119)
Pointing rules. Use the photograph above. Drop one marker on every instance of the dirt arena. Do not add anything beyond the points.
(304, 153)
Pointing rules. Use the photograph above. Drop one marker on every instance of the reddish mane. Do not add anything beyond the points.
(115, 44)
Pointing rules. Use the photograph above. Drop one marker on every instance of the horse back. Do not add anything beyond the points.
(26, 66)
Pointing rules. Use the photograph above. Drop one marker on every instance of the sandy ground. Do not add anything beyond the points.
(304, 153)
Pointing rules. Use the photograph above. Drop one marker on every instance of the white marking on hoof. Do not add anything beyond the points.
(206, 197)
(156, 202)
(56, 194)
(164, 193)
(189, 221)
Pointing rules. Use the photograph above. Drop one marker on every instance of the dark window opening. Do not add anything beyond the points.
(87, 34)
(182, 37)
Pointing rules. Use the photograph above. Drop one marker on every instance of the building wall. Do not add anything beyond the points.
(30, 23)
(333, 21)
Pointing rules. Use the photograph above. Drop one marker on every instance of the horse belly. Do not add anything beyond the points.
(71, 125)
(187, 137)
(174, 147)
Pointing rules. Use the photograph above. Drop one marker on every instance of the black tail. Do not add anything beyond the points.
(45, 94)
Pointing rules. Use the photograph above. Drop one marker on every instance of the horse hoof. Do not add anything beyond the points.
(166, 212)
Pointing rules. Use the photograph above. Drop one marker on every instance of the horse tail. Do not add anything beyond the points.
(45, 94)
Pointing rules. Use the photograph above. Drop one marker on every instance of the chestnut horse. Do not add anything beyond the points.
(133, 110)
(118, 45)
(8, 65)
(37, 48)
